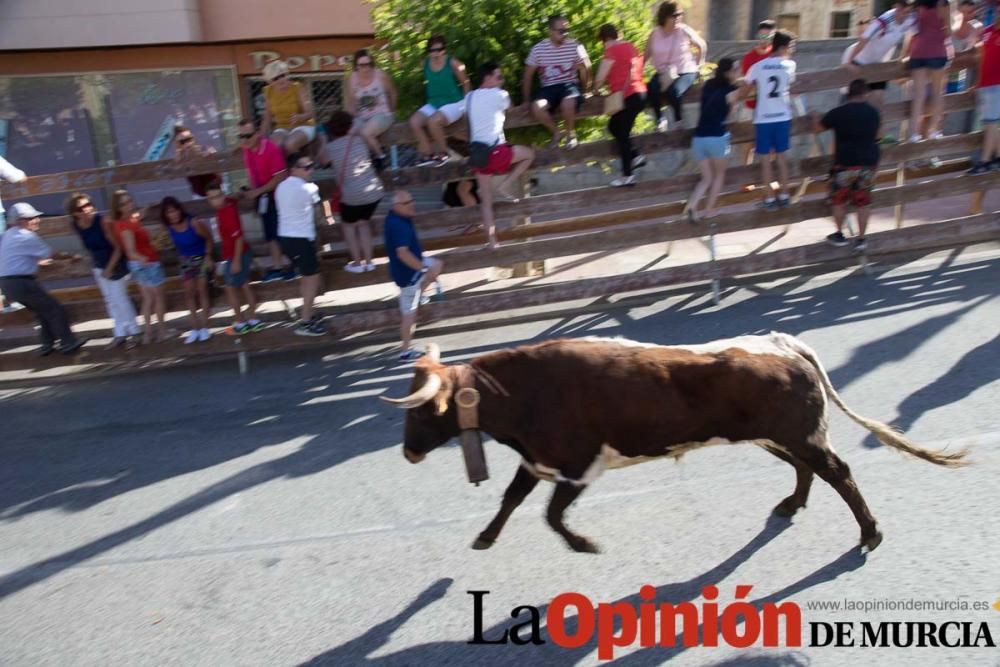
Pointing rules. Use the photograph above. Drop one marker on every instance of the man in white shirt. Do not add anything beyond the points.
(21, 252)
(297, 197)
(771, 81)
(486, 109)
(879, 41)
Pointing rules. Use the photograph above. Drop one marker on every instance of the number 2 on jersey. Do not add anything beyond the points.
(776, 83)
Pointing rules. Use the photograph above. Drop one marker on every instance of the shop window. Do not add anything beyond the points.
(840, 24)
(51, 124)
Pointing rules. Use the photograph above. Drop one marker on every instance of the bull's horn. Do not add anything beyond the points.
(434, 352)
(420, 396)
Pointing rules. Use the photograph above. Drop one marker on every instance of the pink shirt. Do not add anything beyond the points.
(673, 49)
(263, 162)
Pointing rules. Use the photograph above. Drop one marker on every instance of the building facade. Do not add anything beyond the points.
(90, 83)
(732, 20)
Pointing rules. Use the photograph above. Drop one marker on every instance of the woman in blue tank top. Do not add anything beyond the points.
(194, 252)
(109, 268)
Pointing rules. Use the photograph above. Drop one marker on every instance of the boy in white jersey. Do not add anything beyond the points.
(771, 81)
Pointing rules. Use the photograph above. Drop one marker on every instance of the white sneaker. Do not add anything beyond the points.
(354, 268)
(370, 266)
(663, 125)
(623, 181)
(916, 138)
(935, 135)
(191, 337)
(203, 335)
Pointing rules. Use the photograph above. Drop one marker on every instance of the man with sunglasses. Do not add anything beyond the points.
(297, 198)
(265, 163)
(558, 60)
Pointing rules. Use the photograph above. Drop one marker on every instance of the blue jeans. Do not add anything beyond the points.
(671, 95)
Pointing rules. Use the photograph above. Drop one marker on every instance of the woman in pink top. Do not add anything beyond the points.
(929, 53)
(670, 50)
(621, 68)
(371, 98)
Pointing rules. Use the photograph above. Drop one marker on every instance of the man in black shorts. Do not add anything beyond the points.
(297, 198)
(856, 125)
(558, 60)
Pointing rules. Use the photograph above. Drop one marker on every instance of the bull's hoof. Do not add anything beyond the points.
(871, 541)
(787, 507)
(481, 544)
(583, 545)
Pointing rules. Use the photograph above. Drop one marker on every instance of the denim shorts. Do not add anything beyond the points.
(714, 148)
(557, 92)
(774, 137)
(238, 279)
(989, 103)
(147, 274)
(927, 63)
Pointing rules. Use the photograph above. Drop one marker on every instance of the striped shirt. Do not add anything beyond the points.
(557, 64)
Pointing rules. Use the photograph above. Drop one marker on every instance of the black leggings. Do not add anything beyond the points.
(620, 127)
(672, 96)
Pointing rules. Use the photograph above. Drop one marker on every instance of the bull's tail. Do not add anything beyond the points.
(888, 435)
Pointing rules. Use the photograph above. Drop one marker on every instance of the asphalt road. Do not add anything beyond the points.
(193, 517)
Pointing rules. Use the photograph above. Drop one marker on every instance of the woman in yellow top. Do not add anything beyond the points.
(289, 119)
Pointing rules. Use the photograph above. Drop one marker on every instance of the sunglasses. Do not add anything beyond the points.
(280, 77)
(436, 49)
(82, 207)
(185, 140)
(246, 136)
(366, 63)
(561, 31)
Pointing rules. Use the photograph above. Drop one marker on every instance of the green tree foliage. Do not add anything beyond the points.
(482, 30)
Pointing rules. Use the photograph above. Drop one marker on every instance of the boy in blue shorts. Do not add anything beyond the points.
(771, 81)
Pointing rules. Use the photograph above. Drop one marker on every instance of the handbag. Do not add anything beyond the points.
(479, 151)
(335, 197)
(614, 103)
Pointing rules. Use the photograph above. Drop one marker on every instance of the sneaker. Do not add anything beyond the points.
(73, 347)
(427, 161)
(442, 159)
(309, 329)
(191, 337)
(916, 138)
(662, 125)
(438, 291)
(272, 275)
(639, 161)
(370, 266)
(784, 202)
(572, 142)
(623, 181)
(410, 355)
(888, 140)
(354, 268)
(378, 161)
(980, 168)
(289, 274)
(860, 244)
(116, 342)
(769, 204)
(935, 135)
(238, 329)
(995, 164)
(203, 335)
(45, 350)
(253, 325)
(837, 240)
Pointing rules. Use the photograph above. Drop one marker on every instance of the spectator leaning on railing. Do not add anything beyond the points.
(194, 245)
(109, 267)
(621, 67)
(878, 44)
(297, 199)
(856, 125)
(710, 145)
(143, 263)
(930, 52)
(410, 270)
(265, 165)
(989, 98)
(21, 252)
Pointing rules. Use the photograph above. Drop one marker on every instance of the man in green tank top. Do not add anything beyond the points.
(446, 85)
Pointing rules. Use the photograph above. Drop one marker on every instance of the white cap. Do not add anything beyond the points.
(23, 211)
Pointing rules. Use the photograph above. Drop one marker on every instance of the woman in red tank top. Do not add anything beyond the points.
(929, 54)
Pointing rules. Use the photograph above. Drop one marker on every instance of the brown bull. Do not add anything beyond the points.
(573, 408)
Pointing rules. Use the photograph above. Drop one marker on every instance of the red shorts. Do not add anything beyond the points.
(501, 158)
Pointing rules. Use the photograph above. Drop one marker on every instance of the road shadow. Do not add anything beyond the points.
(358, 650)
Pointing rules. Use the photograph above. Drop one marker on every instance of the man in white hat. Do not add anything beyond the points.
(21, 251)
